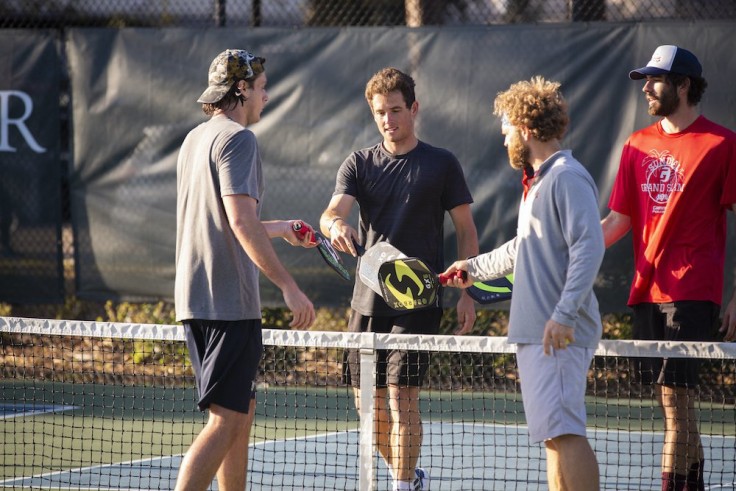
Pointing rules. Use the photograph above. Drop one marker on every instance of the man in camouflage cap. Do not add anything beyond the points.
(221, 244)
(227, 68)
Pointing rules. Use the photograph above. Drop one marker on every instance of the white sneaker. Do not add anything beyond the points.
(421, 482)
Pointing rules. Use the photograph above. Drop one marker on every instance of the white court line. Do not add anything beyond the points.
(44, 410)
(519, 427)
(16, 480)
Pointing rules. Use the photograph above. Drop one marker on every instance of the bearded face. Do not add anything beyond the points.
(517, 149)
(663, 100)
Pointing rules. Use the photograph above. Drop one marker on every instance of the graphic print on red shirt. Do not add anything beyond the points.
(676, 188)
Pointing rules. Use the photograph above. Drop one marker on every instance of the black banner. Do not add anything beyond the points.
(134, 97)
(30, 168)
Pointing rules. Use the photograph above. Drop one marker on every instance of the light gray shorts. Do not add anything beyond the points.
(553, 390)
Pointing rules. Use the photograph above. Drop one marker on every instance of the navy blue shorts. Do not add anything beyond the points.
(225, 356)
(393, 367)
(675, 321)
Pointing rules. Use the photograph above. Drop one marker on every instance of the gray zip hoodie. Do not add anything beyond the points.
(555, 255)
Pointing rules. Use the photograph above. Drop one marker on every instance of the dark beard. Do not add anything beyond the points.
(518, 152)
(666, 104)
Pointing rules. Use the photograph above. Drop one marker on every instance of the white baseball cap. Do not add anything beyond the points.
(669, 59)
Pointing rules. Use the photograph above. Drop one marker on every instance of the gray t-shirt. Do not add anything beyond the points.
(215, 278)
(555, 255)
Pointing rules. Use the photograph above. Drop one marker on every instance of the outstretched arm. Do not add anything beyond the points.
(285, 230)
(333, 223)
(255, 240)
(615, 226)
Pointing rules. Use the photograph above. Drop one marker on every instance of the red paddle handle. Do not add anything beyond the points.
(460, 274)
(301, 229)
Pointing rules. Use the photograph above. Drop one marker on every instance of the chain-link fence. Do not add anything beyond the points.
(301, 13)
(36, 239)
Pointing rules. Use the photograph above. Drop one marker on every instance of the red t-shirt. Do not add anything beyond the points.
(677, 188)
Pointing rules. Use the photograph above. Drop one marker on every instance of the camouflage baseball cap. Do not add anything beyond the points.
(227, 68)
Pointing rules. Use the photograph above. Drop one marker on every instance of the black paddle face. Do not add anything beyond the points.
(408, 284)
(331, 256)
(498, 290)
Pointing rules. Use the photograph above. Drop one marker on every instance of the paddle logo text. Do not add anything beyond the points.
(408, 286)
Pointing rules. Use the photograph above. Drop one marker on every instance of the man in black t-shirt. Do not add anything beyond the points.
(403, 188)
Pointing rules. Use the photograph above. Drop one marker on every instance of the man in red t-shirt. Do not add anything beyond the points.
(675, 184)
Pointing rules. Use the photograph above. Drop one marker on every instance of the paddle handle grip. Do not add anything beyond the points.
(358, 248)
(460, 274)
(301, 229)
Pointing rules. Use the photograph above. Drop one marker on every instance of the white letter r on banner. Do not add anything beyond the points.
(5, 121)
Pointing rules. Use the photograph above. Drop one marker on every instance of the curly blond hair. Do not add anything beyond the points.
(536, 104)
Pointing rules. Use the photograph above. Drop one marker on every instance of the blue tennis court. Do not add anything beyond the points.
(453, 453)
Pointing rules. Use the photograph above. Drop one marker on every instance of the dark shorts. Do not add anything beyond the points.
(393, 367)
(678, 321)
(225, 357)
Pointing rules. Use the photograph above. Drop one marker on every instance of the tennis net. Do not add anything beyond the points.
(95, 405)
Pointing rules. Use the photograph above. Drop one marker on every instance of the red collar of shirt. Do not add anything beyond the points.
(529, 174)
(527, 179)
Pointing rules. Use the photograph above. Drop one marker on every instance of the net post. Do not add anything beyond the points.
(366, 476)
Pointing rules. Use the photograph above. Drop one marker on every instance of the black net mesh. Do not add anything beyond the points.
(90, 405)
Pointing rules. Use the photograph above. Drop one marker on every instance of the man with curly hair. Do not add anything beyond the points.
(555, 257)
